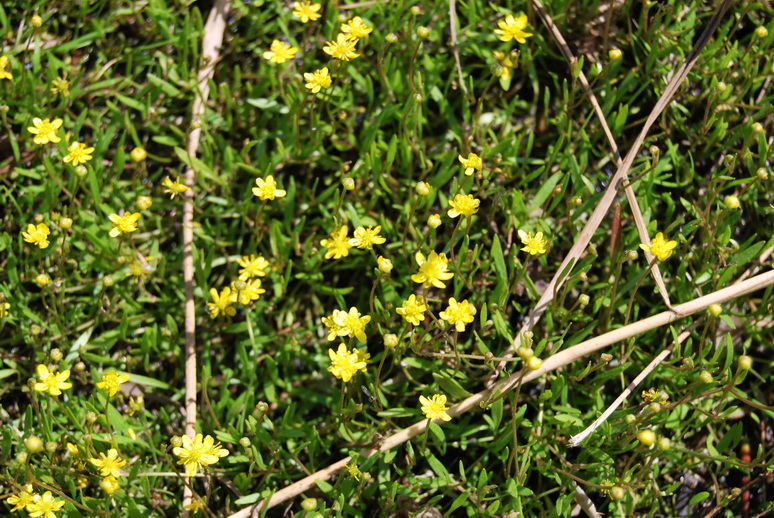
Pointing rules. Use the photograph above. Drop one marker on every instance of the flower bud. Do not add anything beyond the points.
(91, 417)
(583, 277)
(138, 154)
(630, 419)
(33, 444)
(745, 362)
(348, 183)
(262, 407)
(578, 201)
(108, 281)
(732, 202)
(534, 363)
(51, 446)
(35, 329)
(721, 86)
(688, 362)
(244, 442)
(391, 38)
(423, 32)
(617, 493)
(654, 150)
(762, 174)
(647, 437)
(706, 377)
(423, 188)
(584, 300)
(655, 407)
(664, 443)
(415, 10)
(761, 32)
(143, 203)
(757, 128)
(525, 352)
(631, 255)
(309, 504)
(81, 170)
(65, 223)
(615, 55)
(37, 21)
(176, 441)
(43, 279)
(390, 340)
(434, 221)
(55, 354)
(79, 367)
(715, 310)
(385, 265)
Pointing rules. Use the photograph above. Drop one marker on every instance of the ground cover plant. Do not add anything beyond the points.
(386, 258)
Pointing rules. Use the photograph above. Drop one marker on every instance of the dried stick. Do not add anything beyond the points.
(455, 52)
(551, 363)
(211, 41)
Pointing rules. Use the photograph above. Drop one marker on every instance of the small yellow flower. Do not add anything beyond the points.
(343, 48)
(245, 292)
(44, 505)
(338, 245)
(109, 485)
(366, 238)
(433, 269)
(412, 310)
(513, 28)
(23, 498)
(37, 235)
(306, 11)
(79, 153)
(111, 383)
(660, 247)
(43, 279)
(463, 205)
(174, 188)
(123, 224)
(252, 266)
(109, 465)
(345, 364)
(650, 395)
(533, 245)
(221, 304)
(45, 130)
(138, 154)
(193, 507)
(4, 74)
(317, 80)
(280, 52)
(435, 407)
(356, 28)
(52, 382)
(197, 452)
(60, 85)
(458, 314)
(267, 189)
(471, 164)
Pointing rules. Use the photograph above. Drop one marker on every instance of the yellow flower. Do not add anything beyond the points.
(52, 382)
(306, 11)
(463, 204)
(138, 154)
(174, 188)
(60, 85)
(245, 292)
(139, 267)
(433, 269)
(267, 189)
(197, 452)
(4, 307)
(650, 395)
(111, 383)
(412, 310)
(471, 164)
(45, 130)
(458, 314)
(43, 279)
(384, 265)
(44, 505)
(356, 28)
(338, 245)
(317, 80)
(4, 74)
(109, 485)
(434, 221)
(109, 465)
(343, 48)
(435, 407)
(533, 245)
(513, 28)
(345, 364)
(221, 304)
(193, 507)
(24, 497)
(341, 323)
(37, 235)
(660, 247)
(123, 224)
(366, 238)
(79, 153)
(506, 64)
(252, 266)
(280, 52)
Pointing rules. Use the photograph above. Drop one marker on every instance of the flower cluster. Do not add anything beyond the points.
(342, 323)
(246, 289)
(44, 505)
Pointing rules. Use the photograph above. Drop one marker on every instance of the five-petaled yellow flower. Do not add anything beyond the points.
(174, 188)
(463, 205)
(45, 130)
(197, 452)
(533, 245)
(222, 302)
(458, 314)
(44, 505)
(37, 235)
(306, 11)
(435, 407)
(79, 153)
(111, 383)
(366, 238)
(267, 189)
(660, 247)
(244, 292)
(338, 245)
(52, 382)
(280, 52)
(21, 500)
(471, 164)
(109, 465)
(341, 323)
(317, 80)
(412, 310)
(4, 74)
(356, 28)
(345, 364)
(252, 266)
(60, 85)
(343, 48)
(123, 224)
(433, 269)
(513, 28)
